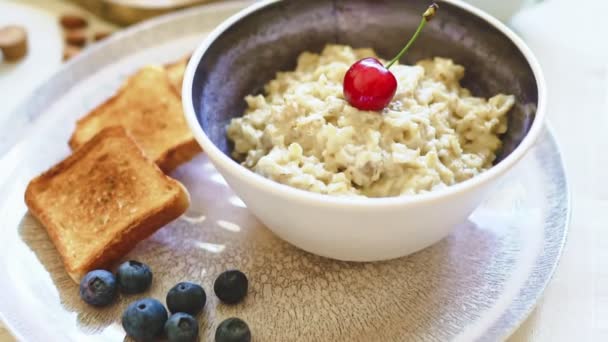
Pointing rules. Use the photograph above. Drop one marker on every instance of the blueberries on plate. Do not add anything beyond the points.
(144, 319)
(147, 319)
(186, 297)
(231, 286)
(181, 327)
(133, 277)
(233, 330)
(98, 288)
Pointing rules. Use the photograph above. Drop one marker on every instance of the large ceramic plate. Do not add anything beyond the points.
(479, 283)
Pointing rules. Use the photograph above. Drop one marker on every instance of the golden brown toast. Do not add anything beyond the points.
(176, 71)
(150, 110)
(98, 203)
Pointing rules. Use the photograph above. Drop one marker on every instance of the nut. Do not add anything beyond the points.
(13, 42)
(72, 21)
(76, 37)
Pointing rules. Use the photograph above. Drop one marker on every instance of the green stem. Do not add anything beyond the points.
(404, 50)
(430, 12)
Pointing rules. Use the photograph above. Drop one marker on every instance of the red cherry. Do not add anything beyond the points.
(368, 85)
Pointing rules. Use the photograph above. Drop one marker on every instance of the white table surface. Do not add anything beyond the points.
(569, 39)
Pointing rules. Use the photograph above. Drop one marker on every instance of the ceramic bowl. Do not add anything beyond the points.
(246, 51)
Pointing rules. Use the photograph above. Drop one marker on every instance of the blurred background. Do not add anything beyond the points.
(38, 37)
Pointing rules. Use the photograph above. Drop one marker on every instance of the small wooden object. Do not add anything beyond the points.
(77, 37)
(73, 21)
(13, 42)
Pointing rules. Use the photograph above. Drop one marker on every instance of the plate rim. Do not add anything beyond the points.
(525, 312)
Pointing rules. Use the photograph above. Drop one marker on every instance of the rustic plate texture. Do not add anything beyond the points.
(478, 284)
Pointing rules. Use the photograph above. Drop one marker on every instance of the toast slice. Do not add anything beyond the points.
(98, 203)
(150, 110)
(175, 72)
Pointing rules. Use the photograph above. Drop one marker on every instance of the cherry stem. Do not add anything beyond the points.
(426, 16)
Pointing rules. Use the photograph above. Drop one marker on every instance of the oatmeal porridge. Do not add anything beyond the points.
(303, 133)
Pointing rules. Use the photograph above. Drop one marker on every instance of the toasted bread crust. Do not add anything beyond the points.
(175, 72)
(170, 151)
(178, 155)
(187, 150)
(133, 232)
(75, 141)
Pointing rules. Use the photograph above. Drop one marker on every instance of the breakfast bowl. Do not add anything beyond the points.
(247, 50)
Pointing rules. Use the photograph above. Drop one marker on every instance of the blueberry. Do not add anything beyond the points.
(133, 277)
(186, 297)
(98, 288)
(233, 330)
(231, 286)
(144, 319)
(181, 327)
